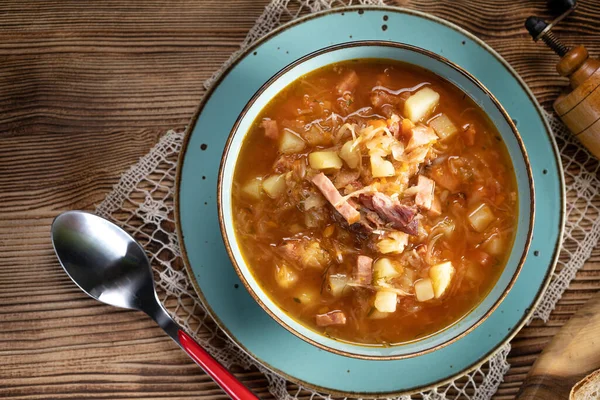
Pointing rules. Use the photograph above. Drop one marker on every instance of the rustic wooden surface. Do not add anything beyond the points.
(86, 88)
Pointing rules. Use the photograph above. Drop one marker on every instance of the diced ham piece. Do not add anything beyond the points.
(420, 136)
(424, 197)
(379, 98)
(387, 110)
(332, 195)
(374, 220)
(392, 210)
(396, 215)
(271, 129)
(436, 207)
(348, 82)
(367, 201)
(412, 228)
(362, 230)
(363, 271)
(331, 318)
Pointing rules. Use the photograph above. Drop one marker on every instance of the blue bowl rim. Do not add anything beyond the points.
(222, 191)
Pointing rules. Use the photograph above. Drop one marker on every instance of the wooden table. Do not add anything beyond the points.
(86, 88)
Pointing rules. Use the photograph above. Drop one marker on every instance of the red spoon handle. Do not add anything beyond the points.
(229, 383)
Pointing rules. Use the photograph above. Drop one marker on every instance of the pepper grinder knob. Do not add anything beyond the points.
(539, 29)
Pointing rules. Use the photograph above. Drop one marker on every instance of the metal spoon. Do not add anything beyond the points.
(110, 266)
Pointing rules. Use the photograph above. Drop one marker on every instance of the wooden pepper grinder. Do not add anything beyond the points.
(579, 106)
(575, 351)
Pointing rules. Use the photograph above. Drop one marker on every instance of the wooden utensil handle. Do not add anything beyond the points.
(228, 382)
(573, 353)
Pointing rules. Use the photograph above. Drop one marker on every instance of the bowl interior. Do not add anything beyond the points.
(412, 55)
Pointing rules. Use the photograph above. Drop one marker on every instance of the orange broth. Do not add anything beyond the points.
(293, 250)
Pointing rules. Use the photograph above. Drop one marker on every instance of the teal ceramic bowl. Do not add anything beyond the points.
(465, 82)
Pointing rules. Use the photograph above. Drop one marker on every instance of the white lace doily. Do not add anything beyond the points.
(142, 203)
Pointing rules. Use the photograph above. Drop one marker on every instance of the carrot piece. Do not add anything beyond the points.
(377, 123)
(407, 126)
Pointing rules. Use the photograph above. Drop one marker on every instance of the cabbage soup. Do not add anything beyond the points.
(374, 202)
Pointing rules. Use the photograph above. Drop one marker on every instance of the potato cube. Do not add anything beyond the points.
(424, 290)
(407, 280)
(384, 269)
(421, 104)
(473, 272)
(480, 217)
(385, 301)
(443, 127)
(381, 168)
(394, 243)
(441, 276)
(253, 188)
(337, 284)
(274, 185)
(376, 314)
(324, 160)
(307, 296)
(315, 200)
(291, 143)
(350, 154)
(495, 245)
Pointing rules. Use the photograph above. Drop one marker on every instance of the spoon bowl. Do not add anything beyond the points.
(110, 266)
(103, 260)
